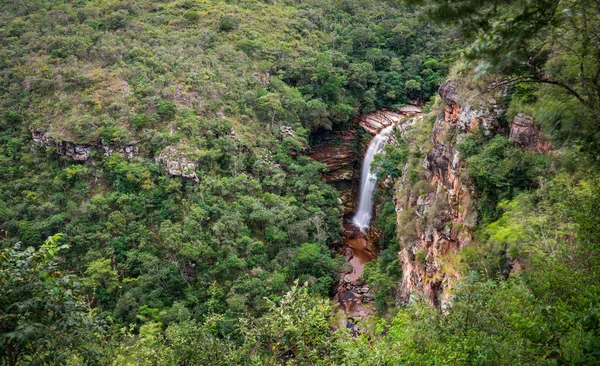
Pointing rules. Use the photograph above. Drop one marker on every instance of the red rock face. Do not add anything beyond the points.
(337, 149)
(442, 208)
(444, 214)
(451, 113)
(525, 133)
(448, 218)
(373, 123)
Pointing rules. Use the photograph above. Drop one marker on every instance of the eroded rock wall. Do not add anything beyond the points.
(437, 215)
(176, 160)
(83, 152)
(525, 133)
(339, 150)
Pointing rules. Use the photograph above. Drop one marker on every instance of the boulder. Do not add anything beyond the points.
(178, 163)
(448, 93)
(525, 133)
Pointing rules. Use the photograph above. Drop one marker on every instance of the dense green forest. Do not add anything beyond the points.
(112, 260)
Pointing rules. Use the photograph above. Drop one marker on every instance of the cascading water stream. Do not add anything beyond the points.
(368, 180)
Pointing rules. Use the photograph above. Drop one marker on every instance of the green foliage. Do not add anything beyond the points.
(227, 23)
(198, 273)
(391, 162)
(547, 42)
(313, 263)
(500, 171)
(382, 275)
(191, 16)
(298, 330)
(42, 316)
(470, 145)
(543, 232)
(212, 57)
(166, 110)
(102, 280)
(138, 122)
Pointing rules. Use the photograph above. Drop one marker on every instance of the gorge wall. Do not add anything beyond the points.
(437, 214)
(176, 160)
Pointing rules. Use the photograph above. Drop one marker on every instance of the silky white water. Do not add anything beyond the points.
(368, 180)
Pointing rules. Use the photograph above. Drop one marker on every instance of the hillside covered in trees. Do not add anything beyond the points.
(158, 205)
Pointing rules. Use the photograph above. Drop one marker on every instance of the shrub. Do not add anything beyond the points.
(166, 110)
(191, 16)
(117, 20)
(227, 23)
(138, 122)
(420, 256)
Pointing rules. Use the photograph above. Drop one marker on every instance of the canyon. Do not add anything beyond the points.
(342, 152)
(436, 214)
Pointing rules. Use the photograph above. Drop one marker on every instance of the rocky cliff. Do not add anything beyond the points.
(437, 214)
(174, 159)
(339, 150)
(525, 133)
(83, 152)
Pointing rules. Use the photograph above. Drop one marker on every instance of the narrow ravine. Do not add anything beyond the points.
(349, 171)
(355, 299)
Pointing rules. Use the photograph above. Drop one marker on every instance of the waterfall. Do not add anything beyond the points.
(368, 180)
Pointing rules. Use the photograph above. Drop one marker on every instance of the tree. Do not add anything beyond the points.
(42, 316)
(298, 330)
(102, 278)
(553, 43)
(269, 105)
(312, 262)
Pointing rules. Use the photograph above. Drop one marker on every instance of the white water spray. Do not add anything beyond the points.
(368, 180)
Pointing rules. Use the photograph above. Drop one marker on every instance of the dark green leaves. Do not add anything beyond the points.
(42, 316)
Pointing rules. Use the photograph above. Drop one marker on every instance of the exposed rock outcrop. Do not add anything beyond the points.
(82, 152)
(525, 133)
(287, 131)
(468, 114)
(409, 110)
(129, 151)
(78, 152)
(447, 92)
(373, 123)
(437, 215)
(178, 163)
(174, 160)
(339, 151)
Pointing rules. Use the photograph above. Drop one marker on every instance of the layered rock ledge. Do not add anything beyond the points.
(82, 152)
